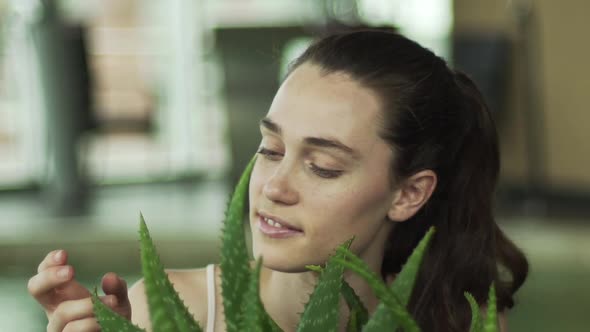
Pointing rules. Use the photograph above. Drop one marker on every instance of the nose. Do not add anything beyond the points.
(278, 187)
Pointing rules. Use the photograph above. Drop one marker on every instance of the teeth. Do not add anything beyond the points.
(273, 223)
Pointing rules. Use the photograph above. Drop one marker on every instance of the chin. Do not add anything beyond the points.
(278, 261)
(284, 268)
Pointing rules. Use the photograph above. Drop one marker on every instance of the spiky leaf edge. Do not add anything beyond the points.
(109, 320)
(476, 321)
(167, 311)
(388, 298)
(234, 264)
(359, 314)
(402, 285)
(322, 311)
(254, 316)
(491, 320)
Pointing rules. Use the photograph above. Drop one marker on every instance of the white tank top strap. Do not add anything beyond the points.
(210, 298)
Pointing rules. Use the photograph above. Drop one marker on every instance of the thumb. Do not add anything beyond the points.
(114, 285)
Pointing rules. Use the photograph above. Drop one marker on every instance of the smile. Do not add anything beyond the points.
(275, 229)
(272, 222)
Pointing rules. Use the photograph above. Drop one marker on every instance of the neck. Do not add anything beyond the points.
(284, 295)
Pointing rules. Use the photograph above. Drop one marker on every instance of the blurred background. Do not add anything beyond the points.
(111, 107)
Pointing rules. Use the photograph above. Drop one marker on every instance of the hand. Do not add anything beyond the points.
(78, 315)
(66, 302)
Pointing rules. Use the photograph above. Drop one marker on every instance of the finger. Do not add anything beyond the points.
(84, 325)
(47, 280)
(113, 284)
(56, 284)
(70, 311)
(54, 258)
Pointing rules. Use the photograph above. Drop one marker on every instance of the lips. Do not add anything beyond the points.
(283, 223)
(275, 227)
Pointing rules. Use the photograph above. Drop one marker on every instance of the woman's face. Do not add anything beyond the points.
(322, 170)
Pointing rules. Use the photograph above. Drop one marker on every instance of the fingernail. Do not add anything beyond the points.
(57, 256)
(113, 301)
(63, 272)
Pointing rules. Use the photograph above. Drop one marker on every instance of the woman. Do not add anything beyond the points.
(372, 136)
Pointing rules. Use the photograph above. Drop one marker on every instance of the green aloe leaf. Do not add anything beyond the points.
(476, 321)
(402, 286)
(167, 311)
(358, 313)
(403, 283)
(322, 311)
(254, 317)
(109, 320)
(235, 269)
(315, 268)
(491, 320)
(353, 324)
(388, 298)
(252, 313)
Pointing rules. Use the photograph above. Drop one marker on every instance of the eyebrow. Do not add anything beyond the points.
(321, 142)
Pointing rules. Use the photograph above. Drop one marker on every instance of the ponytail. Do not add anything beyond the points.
(469, 249)
(508, 257)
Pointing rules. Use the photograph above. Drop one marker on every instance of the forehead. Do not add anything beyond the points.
(310, 103)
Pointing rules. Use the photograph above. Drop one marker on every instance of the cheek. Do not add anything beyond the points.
(351, 207)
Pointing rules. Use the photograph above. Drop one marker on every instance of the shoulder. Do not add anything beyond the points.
(191, 285)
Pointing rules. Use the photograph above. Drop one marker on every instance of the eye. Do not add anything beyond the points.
(321, 172)
(269, 154)
(325, 173)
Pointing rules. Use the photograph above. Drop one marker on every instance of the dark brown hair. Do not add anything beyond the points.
(434, 118)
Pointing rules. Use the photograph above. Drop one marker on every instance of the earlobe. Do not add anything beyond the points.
(412, 195)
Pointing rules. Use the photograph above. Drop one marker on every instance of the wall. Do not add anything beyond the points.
(560, 70)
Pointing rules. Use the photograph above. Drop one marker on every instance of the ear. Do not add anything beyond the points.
(412, 194)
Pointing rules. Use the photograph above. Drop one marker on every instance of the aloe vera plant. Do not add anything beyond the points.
(322, 311)
(234, 254)
(243, 307)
